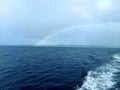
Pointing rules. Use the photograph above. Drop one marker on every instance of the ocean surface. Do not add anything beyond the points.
(59, 68)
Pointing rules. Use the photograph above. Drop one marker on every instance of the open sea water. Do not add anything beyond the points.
(59, 68)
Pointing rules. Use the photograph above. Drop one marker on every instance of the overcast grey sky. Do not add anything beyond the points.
(59, 22)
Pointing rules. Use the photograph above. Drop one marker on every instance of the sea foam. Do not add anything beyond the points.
(102, 78)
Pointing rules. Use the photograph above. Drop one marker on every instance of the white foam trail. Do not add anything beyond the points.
(103, 77)
(116, 56)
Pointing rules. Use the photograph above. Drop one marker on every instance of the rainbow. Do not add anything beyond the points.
(67, 28)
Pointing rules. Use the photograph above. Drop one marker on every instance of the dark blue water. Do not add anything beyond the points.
(59, 68)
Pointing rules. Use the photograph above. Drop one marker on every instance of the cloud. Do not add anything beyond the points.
(33, 20)
(104, 4)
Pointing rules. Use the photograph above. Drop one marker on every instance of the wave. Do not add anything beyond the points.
(102, 78)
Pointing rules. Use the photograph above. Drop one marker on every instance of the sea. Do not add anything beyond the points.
(59, 68)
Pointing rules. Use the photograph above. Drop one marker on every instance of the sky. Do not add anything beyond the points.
(60, 22)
